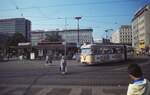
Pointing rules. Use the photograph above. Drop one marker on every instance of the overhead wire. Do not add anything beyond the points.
(71, 4)
(43, 15)
(16, 7)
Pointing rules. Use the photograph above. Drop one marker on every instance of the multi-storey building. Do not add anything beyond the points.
(141, 28)
(13, 25)
(37, 36)
(115, 37)
(123, 35)
(69, 35)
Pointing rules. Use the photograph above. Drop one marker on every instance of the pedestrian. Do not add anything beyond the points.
(63, 65)
(139, 85)
(48, 59)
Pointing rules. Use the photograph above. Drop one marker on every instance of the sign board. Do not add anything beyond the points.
(24, 44)
(40, 52)
(32, 56)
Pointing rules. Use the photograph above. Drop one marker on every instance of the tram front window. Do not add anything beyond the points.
(86, 51)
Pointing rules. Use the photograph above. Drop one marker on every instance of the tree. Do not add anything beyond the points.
(15, 39)
(4, 40)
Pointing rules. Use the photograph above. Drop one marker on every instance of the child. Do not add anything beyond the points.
(139, 85)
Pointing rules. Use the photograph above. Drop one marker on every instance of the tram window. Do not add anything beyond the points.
(113, 50)
(96, 51)
(86, 51)
(119, 50)
(101, 51)
(129, 49)
(110, 51)
(106, 50)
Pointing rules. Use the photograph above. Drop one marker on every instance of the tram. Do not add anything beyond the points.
(100, 53)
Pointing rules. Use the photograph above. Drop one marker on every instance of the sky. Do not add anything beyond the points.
(99, 15)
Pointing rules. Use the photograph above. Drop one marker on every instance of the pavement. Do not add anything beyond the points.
(61, 90)
(29, 77)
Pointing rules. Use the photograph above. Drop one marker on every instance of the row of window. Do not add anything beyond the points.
(108, 51)
(126, 37)
(125, 29)
(138, 24)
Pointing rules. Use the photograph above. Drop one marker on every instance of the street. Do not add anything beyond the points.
(37, 78)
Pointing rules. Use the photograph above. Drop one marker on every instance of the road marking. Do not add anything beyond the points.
(86, 91)
(58, 89)
(44, 91)
(75, 91)
(97, 91)
(121, 68)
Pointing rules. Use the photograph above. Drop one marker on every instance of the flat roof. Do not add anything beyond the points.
(141, 11)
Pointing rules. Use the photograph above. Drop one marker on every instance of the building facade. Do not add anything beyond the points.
(141, 28)
(69, 35)
(123, 35)
(11, 26)
(115, 37)
(37, 37)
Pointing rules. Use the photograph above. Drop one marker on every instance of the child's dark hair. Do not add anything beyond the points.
(135, 70)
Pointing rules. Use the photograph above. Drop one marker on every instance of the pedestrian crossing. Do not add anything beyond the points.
(61, 90)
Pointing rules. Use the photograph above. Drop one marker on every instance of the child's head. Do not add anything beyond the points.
(135, 71)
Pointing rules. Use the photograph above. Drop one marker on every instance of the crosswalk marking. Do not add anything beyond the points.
(97, 91)
(75, 91)
(44, 91)
(58, 89)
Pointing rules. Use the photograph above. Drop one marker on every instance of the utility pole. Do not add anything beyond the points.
(78, 29)
(107, 30)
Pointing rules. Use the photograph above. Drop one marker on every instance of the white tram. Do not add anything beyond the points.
(100, 53)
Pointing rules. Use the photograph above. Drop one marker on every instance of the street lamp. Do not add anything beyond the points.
(78, 18)
(107, 30)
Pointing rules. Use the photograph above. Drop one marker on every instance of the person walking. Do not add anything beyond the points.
(63, 65)
(139, 85)
(49, 59)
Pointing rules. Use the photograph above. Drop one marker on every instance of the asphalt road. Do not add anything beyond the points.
(28, 74)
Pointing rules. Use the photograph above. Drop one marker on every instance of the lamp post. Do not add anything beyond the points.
(107, 30)
(78, 18)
